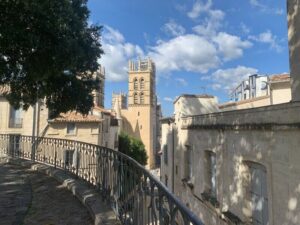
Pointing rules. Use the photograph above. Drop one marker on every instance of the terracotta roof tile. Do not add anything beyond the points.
(4, 89)
(100, 109)
(76, 117)
(279, 77)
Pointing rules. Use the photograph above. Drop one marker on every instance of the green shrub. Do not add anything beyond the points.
(133, 147)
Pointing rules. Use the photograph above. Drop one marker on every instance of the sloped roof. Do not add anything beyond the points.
(100, 109)
(279, 77)
(76, 117)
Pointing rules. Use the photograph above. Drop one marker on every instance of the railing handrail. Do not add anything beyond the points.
(179, 205)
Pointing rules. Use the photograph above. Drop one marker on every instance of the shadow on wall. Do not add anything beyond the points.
(129, 129)
(234, 149)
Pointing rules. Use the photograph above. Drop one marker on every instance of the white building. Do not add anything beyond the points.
(254, 86)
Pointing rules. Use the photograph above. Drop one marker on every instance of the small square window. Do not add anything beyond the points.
(71, 128)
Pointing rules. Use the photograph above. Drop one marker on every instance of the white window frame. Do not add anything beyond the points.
(74, 130)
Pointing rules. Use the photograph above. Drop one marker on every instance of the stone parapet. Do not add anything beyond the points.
(267, 117)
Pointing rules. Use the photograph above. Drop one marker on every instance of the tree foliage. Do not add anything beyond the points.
(48, 51)
(133, 147)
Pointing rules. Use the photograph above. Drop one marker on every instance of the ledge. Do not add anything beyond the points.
(90, 198)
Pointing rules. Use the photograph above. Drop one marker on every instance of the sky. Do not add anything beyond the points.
(198, 46)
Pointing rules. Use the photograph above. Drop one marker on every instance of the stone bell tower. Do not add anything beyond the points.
(142, 105)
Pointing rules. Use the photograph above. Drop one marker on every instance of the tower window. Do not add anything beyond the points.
(135, 84)
(142, 83)
(135, 98)
(142, 99)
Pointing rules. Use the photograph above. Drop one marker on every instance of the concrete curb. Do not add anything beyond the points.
(90, 198)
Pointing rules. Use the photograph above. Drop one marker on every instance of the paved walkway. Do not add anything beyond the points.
(30, 198)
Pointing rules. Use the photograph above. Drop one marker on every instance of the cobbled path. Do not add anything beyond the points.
(30, 198)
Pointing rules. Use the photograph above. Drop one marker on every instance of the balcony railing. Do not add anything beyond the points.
(15, 123)
(135, 195)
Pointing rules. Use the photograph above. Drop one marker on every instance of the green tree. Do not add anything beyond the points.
(133, 147)
(48, 51)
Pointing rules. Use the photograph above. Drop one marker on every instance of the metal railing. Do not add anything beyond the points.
(135, 195)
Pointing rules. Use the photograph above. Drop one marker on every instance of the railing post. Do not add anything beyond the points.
(55, 157)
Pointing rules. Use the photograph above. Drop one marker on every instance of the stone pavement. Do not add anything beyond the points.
(31, 198)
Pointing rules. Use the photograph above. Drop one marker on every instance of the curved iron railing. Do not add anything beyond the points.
(135, 195)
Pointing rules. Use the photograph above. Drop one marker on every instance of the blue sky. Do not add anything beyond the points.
(199, 46)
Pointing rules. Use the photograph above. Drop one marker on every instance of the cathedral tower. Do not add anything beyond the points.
(141, 112)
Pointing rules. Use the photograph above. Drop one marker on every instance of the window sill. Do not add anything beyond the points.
(212, 200)
(71, 135)
(188, 182)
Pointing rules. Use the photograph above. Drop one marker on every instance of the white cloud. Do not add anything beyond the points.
(181, 81)
(198, 8)
(256, 3)
(229, 78)
(231, 47)
(117, 53)
(266, 9)
(268, 38)
(188, 52)
(245, 28)
(168, 99)
(211, 23)
(173, 29)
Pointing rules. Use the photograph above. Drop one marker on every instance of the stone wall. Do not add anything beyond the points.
(268, 136)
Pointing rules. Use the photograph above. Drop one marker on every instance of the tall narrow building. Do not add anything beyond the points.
(139, 119)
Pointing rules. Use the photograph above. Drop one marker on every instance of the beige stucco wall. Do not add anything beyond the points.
(188, 106)
(246, 104)
(266, 135)
(5, 116)
(85, 132)
(281, 93)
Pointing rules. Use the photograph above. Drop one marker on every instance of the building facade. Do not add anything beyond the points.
(98, 127)
(241, 166)
(279, 91)
(139, 117)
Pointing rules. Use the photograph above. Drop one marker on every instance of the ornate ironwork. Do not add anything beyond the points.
(135, 195)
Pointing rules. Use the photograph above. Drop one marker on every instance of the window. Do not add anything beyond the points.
(15, 120)
(257, 193)
(142, 100)
(142, 83)
(211, 167)
(188, 163)
(135, 98)
(71, 128)
(165, 154)
(135, 84)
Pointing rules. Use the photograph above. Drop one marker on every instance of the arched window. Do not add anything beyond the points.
(135, 84)
(135, 98)
(142, 99)
(142, 83)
